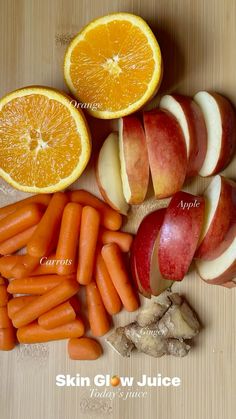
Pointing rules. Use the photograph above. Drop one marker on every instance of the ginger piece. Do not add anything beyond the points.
(146, 339)
(155, 310)
(179, 322)
(175, 299)
(151, 314)
(164, 298)
(177, 347)
(118, 340)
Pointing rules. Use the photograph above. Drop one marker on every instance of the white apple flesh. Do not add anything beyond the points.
(220, 270)
(108, 174)
(220, 122)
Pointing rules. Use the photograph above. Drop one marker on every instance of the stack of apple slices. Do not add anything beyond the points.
(200, 227)
(216, 253)
(166, 241)
(209, 127)
(122, 169)
(184, 138)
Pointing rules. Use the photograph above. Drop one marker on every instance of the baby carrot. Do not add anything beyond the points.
(40, 242)
(62, 314)
(5, 322)
(42, 199)
(74, 301)
(68, 238)
(97, 316)
(7, 263)
(90, 220)
(4, 297)
(115, 265)
(46, 302)
(35, 285)
(15, 243)
(124, 240)
(25, 265)
(34, 333)
(53, 245)
(16, 303)
(7, 339)
(84, 349)
(110, 219)
(19, 221)
(47, 266)
(110, 298)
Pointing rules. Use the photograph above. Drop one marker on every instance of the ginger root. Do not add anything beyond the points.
(160, 328)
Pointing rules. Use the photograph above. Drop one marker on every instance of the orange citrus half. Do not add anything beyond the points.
(44, 140)
(114, 65)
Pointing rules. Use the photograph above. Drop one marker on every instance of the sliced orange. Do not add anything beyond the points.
(114, 65)
(44, 140)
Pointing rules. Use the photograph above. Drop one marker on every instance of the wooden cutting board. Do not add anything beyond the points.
(197, 39)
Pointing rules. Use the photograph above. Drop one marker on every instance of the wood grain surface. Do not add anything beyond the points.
(198, 40)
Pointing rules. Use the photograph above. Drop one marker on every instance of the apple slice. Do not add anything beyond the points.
(134, 159)
(190, 118)
(220, 122)
(220, 270)
(143, 255)
(219, 225)
(134, 273)
(143, 246)
(166, 152)
(179, 234)
(158, 284)
(108, 174)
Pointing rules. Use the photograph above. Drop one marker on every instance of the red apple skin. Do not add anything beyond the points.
(228, 143)
(134, 273)
(166, 152)
(142, 248)
(197, 132)
(136, 158)
(179, 235)
(222, 229)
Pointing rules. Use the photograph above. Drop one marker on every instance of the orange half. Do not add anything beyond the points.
(114, 65)
(44, 140)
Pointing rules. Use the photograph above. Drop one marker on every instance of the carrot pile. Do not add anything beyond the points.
(72, 240)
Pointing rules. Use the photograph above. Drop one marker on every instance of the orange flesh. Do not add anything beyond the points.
(112, 66)
(39, 140)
